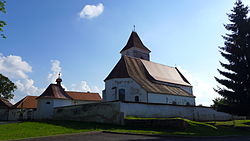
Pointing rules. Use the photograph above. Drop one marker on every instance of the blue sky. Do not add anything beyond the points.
(44, 37)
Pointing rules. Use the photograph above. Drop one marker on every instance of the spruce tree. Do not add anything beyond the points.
(235, 86)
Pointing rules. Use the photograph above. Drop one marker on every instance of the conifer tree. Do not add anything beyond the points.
(235, 86)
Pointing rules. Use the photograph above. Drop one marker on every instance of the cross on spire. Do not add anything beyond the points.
(134, 28)
(59, 74)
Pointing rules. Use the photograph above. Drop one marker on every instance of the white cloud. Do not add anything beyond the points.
(83, 86)
(14, 67)
(16, 70)
(202, 90)
(91, 11)
(55, 70)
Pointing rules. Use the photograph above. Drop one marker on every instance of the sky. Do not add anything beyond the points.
(82, 40)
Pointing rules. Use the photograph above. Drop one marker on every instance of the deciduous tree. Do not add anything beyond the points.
(6, 87)
(2, 23)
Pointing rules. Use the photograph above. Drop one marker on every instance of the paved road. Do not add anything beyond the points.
(7, 122)
(99, 136)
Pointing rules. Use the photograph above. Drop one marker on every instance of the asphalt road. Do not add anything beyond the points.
(99, 136)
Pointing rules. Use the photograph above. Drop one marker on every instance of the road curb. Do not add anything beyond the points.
(175, 136)
(58, 135)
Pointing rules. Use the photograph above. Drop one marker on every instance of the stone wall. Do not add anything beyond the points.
(4, 114)
(104, 112)
(199, 113)
(115, 111)
(22, 114)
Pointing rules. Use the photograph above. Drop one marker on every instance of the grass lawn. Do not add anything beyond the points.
(45, 128)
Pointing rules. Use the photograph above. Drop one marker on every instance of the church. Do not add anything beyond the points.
(137, 79)
(135, 87)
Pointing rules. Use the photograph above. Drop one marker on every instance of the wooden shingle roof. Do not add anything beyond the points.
(138, 72)
(54, 91)
(135, 41)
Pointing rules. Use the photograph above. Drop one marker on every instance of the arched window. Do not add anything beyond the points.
(122, 94)
(136, 98)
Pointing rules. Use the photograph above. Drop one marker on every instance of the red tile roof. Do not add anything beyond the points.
(84, 96)
(28, 102)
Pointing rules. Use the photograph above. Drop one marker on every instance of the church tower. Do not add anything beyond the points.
(135, 48)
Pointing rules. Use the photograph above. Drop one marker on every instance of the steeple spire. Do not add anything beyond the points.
(135, 47)
(59, 80)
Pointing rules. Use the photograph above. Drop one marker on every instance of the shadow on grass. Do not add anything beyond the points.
(191, 130)
(79, 125)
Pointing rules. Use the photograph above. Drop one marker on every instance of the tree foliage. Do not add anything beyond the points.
(6, 87)
(2, 23)
(235, 89)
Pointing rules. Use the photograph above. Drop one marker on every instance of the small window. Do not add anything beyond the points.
(166, 99)
(136, 98)
(174, 103)
(122, 94)
(47, 102)
(187, 103)
(76, 111)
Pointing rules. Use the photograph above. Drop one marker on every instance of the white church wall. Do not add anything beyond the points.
(169, 99)
(132, 89)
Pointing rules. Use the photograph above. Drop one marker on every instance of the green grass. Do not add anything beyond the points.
(235, 123)
(46, 128)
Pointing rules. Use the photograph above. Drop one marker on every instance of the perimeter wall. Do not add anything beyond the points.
(114, 112)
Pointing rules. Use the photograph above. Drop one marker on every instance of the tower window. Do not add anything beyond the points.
(122, 94)
(136, 98)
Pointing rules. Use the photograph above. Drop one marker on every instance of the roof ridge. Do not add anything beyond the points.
(148, 61)
(80, 92)
(19, 102)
